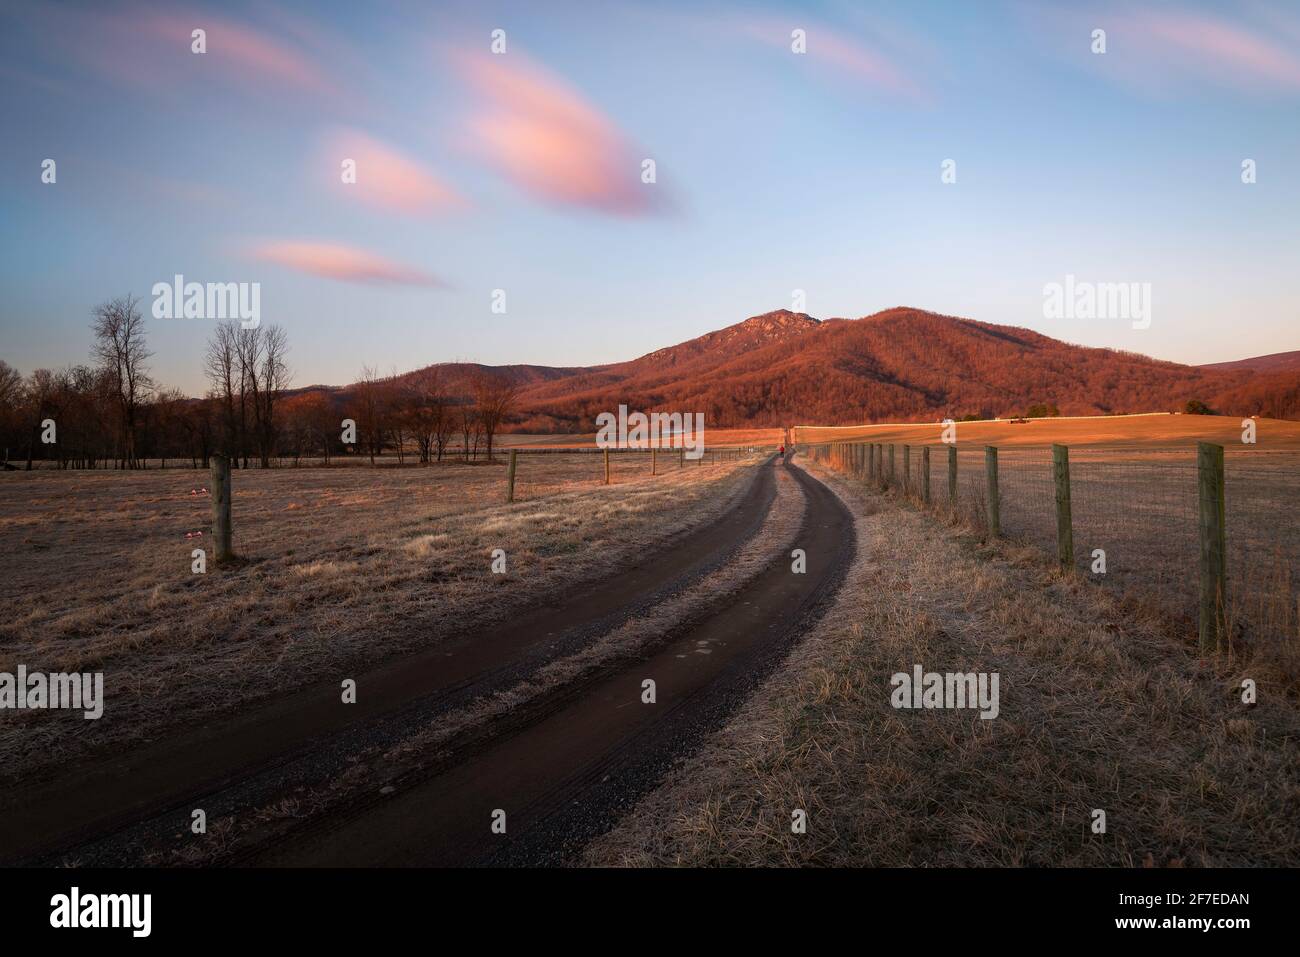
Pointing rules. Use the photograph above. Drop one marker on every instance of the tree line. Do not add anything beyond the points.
(112, 413)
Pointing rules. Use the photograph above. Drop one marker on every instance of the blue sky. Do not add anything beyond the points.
(520, 171)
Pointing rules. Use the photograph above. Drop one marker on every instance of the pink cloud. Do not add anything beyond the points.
(839, 55)
(1236, 54)
(543, 136)
(144, 48)
(1163, 51)
(386, 177)
(340, 262)
(244, 53)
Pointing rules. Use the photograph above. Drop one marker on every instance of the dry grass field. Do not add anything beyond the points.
(419, 738)
(713, 438)
(1140, 509)
(1103, 706)
(1157, 430)
(338, 568)
(1134, 520)
(1133, 483)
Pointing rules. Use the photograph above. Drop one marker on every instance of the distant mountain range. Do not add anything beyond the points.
(1276, 362)
(898, 365)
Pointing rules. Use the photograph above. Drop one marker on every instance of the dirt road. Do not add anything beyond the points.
(561, 767)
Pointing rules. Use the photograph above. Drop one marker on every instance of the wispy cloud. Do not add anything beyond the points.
(386, 177)
(841, 55)
(339, 262)
(244, 53)
(548, 140)
(1210, 46)
(149, 50)
(1168, 51)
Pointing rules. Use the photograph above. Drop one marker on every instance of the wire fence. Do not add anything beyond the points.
(410, 458)
(1134, 519)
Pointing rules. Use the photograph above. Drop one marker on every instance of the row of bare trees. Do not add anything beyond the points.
(247, 376)
(90, 416)
(113, 413)
(426, 411)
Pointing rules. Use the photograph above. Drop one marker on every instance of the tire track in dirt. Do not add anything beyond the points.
(566, 772)
(123, 790)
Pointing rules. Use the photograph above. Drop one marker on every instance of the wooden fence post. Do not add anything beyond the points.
(925, 474)
(222, 547)
(871, 461)
(654, 461)
(890, 479)
(952, 477)
(1213, 619)
(607, 466)
(1064, 525)
(510, 476)
(681, 458)
(991, 479)
(907, 470)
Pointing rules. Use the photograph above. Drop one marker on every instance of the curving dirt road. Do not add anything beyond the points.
(562, 767)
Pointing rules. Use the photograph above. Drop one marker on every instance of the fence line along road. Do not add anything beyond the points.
(1206, 538)
(220, 471)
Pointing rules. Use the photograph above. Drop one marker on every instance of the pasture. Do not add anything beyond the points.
(1153, 431)
(336, 568)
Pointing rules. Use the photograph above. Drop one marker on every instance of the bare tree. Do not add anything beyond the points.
(312, 417)
(248, 374)
(197, 426)
(429, 415)
(396, 405)
(85, 416)
(11, 402)
(323, 420)
(11, 385)
(265, 375)
(445, 428)
(275, 376)
(367, 402)
(169, 410)
(120, 348)
(221, 364)
(470, 427)
(495, 395)
(41, 394)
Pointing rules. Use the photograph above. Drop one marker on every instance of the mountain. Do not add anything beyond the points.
(1275, 362)
(754, 332)
(902, 364)
(898, 365)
